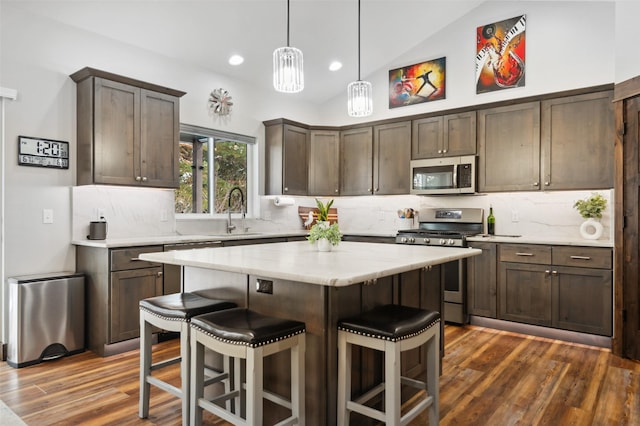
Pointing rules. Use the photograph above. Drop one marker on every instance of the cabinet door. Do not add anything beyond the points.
(459, 134)
(482, 280)
(286, 160)
(159, 140)
(577, 142)
(525, 293)
(324, 163)
(391, 157)
(295, 160)
(427, 138)
(127, 289)
(509, 148)
(356, 161)
(116, 133)
(583, 300)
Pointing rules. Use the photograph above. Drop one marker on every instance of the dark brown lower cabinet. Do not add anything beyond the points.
(525, 293)
(565, 287)
(482, 280)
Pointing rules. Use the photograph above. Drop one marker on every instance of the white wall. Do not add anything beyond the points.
(627, 39)
(569, 45)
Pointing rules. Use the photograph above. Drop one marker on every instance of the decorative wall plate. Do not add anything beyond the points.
(220, 102)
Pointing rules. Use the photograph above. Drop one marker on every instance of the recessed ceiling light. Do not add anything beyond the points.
(335, 66)
(236, 60)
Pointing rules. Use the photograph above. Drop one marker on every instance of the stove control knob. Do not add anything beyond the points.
(451, 242)
(426, 240)
(403, 240)
(443, 241)
(412, 240)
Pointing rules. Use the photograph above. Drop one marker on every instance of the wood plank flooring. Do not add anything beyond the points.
(489, 377)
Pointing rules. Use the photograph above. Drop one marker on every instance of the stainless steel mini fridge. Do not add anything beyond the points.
(46, 317)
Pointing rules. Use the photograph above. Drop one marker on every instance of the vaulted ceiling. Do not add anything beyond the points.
(207, 32)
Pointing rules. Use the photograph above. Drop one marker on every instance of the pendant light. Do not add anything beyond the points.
(359, 93)
(287, 67)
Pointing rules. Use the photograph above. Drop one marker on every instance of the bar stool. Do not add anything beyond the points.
(171, 312)
(246, 335)
(392, 329)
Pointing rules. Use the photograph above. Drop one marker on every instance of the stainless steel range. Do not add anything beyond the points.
(448, 227)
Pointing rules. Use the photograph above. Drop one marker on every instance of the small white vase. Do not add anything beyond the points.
(323, 244)
(591, 229)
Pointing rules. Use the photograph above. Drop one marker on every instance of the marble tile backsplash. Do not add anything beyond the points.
(149, 212)
(129, 211)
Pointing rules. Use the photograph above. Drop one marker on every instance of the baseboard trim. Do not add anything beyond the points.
(550, 333)
(3, 351)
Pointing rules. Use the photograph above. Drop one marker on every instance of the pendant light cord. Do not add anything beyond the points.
(288, 45)
(359, 40)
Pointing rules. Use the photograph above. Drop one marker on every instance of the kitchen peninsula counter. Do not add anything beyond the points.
(319, 288)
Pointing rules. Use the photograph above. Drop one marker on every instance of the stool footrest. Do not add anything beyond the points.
(425, 402)
(165, 363)
(165, 386)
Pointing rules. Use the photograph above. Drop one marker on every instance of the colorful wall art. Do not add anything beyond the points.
(415, 84)
(500, 55)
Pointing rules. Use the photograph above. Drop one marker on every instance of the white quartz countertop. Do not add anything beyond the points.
(527, 239)
(177, 239)
(348, 263)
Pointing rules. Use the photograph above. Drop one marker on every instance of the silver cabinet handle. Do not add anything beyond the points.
(286, 189)
(144, 179)
(547, 183)
(524, 254)
(138, 178)
(581, 257)
(554, 273)
(535, 184)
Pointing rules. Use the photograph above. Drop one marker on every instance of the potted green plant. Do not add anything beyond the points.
(323, 210)
(323, 234)
(591, 209)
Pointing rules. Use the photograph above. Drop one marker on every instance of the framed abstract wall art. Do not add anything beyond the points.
(500, 55)
(415, 84)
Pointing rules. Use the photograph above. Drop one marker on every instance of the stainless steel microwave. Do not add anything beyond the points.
(446, 175)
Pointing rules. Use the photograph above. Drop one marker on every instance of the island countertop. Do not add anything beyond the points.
(348, 263)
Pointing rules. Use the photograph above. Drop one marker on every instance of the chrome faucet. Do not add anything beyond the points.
(230, 226)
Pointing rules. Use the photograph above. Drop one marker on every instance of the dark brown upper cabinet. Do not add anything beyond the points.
(444, 136)
(286, 159)
(324, 163)
(127, 131)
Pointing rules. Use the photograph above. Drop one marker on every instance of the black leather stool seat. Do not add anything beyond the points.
(391, 322)
(245, 327)
(183, 306)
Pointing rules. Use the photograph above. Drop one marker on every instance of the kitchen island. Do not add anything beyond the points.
(294, 280)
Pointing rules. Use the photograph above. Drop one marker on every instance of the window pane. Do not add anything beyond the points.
(184, 194)
(230, 162)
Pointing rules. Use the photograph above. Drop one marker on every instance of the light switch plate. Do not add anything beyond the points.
(47, 216)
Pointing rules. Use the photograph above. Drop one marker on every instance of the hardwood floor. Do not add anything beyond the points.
(489, 377)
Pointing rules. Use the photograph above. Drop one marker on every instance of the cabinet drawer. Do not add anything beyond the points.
(525, 253)
(588, 257)
(127, 258)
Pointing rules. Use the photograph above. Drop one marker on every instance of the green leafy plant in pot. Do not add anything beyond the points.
(591, 209)
(322, 233)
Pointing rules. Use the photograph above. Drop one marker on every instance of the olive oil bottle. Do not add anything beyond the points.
(491, 222)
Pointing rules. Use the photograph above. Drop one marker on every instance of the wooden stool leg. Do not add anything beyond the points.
(392, 383)
(145, 367)
(344, 378)
(433, 377)
(297, 380)
(254, 386)
(197, 381)
(185, 374)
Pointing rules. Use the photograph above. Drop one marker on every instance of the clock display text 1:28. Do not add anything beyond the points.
(40, 152)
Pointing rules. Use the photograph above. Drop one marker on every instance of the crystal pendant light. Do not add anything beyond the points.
(287, 67)
(359, 93)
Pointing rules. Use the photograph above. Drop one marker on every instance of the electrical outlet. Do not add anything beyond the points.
(47, 216)
(264, 286)
(515, 216)
(100, 214)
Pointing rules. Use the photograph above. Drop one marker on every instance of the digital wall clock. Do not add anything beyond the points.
(40, 152)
